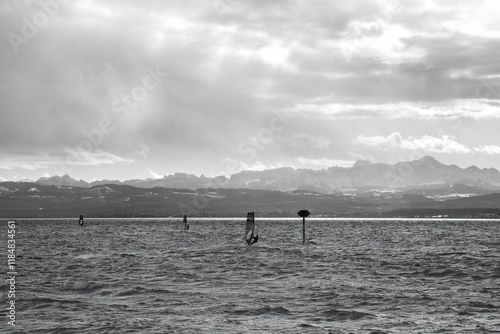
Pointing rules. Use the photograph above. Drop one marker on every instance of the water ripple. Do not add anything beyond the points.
(150, 276)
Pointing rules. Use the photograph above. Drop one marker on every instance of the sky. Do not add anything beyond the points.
(141, 89)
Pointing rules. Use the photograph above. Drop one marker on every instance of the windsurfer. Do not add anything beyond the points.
(254, 239)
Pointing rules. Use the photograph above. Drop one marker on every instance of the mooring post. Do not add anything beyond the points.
(303, 229)
(303, 213)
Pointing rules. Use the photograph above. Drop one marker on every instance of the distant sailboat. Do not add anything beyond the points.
(186, 225)
(249, 229)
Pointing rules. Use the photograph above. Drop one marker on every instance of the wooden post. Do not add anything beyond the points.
(303, 213)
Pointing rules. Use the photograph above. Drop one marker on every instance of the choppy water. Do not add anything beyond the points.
(151, 276)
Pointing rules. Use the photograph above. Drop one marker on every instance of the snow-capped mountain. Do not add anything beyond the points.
(426, 175)
(365, 176)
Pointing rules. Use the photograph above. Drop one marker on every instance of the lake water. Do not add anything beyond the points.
(350, 276)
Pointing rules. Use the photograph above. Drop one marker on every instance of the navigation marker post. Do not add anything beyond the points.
(303, 213)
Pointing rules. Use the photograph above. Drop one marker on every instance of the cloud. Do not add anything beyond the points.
(306, 141)
(335, 67)
(96, 158)
(488, 149)
(66, 157)
(325, 163)
(475, 109)
(155, 176)
(444, 144)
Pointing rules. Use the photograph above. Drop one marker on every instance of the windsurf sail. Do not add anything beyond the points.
(186, 225)
(249, 228)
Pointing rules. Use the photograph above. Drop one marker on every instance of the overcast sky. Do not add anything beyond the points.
(137, 89)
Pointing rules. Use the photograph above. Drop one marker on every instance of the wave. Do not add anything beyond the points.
(441, 273)
(268, 310)
(85, 287)
(138, 278)
(336, 315)
(483, 305)
(50, 302)
(136, 290)
(87, 256)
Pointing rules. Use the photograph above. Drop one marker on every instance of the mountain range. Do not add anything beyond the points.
(418, 188)
(426, 176)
